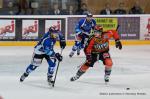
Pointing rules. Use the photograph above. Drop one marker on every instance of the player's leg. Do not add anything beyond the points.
(51, 67)
(78, 50)
(76, 45)
(35, 62)
(84, 68)
(80, 72)
(75, 48)
(107, 61)
(81, 46)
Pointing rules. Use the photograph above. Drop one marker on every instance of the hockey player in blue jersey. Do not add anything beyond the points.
(44, 49)
(83, 31)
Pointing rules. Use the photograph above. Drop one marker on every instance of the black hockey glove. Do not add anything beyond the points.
(62, 44)
(59, 57)
(118, 44)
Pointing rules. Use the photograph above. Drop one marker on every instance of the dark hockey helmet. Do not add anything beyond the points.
(53, 29)
(89, 15)
(53, 32)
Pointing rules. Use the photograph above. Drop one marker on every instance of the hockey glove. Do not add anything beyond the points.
(62, 44)
(118, 44)
(59, 57)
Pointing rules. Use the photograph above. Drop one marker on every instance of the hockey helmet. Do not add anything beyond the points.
(98, 29)
(53, 29)
(89, 15)
(53, 32)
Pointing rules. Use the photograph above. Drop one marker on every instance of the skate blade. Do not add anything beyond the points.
(51, 83)
(107, 83)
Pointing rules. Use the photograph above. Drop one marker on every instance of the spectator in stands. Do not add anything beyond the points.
(1, 4)
(70, 10)
(34, 7)
(107, 10)
(121, 9)
(11, 10)
(136, 9)
(22, 7)
(44, 7)
(56, 10)
(83, 10)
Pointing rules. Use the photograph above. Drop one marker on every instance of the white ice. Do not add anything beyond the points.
(131, 69)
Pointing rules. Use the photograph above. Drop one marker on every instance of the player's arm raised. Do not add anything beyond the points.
(115, 35)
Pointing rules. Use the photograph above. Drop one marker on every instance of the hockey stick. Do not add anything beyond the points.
(117, 27)
(53, 84)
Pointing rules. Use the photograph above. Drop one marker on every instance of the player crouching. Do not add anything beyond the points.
(97, 48)
(44, 49)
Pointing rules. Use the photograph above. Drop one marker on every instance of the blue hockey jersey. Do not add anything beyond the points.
(84, 26)
(46, 44)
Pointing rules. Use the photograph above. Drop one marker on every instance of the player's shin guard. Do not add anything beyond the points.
(50, 75)
(107, 74)
(29, 69)
(51, 69)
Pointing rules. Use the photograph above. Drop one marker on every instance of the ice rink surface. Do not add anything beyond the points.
(131, 69)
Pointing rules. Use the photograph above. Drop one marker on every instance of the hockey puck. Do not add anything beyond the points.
(127, 88)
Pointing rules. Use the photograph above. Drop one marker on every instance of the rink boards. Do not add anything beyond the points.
(27, 30)
(71, 43)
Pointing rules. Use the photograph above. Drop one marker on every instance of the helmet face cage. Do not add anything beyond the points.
(53, 36)
(53, 32)
(98, 29)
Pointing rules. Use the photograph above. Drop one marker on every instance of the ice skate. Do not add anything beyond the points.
(50, 80)
(74, 78)
(78, 52)
(23, 77)
(71, 54)
(106, 78)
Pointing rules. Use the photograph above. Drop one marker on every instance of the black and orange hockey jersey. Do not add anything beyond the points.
(101, 43)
